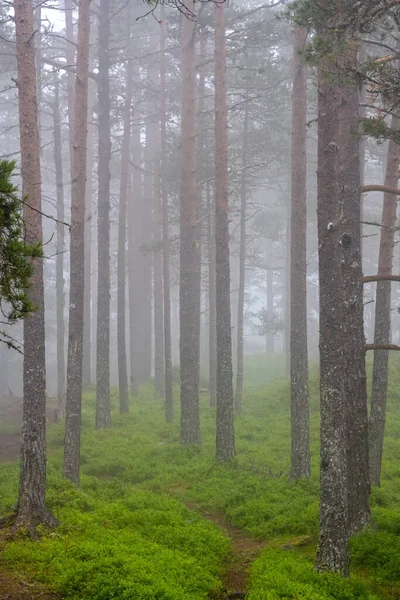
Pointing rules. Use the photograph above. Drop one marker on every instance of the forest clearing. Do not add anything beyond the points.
(200, 300)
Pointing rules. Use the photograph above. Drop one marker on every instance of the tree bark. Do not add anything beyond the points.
(270, 346)
(124, 185)
(169, 399)
(300, 413)
(212, 301)
(103, 407)
(60, 231)
(333, 553)
(70, 56)
(189, 346)
(225, 435)
(242, 268)
(87, 312)
(159, 367)
(382, 312)
(31, 510)
(77, 252)
(353, 339)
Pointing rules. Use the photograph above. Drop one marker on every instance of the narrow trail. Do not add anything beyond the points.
(245, 550)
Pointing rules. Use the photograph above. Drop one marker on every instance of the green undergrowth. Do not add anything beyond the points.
(140, 456)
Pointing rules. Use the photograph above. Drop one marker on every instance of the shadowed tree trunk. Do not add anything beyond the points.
(382, 312)
(103, 408)
(225, 437)
(212, 300)
(353, 339)
(333, 553)
(169, 400)
(31, 510)
(124, 184)
(242, 269)
(87, 312)
(300, 418)
(77, 255)
(189, 331)
(60, 297)
(70, 48)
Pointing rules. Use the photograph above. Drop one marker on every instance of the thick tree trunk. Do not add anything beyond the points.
(103, 407)
(333, 553)
(87, 312)
(169, 400)
(212, 301)
(225, 438)
(382, 312)
(189, 347)
(242, 269)
(31, 510)
(60, 231)
(121, 294)
(353, 340)
(300, 417)
(77, 244)
(270, 336)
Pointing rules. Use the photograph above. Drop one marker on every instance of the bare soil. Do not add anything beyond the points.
(13, 587)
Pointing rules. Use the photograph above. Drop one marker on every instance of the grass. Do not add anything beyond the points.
(130, 509)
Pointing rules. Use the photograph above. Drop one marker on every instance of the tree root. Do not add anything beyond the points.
(20, 523)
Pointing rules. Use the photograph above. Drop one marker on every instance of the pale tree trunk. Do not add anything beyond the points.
(286, 306)
(382, 312)
(270, 336)
(353, 340)
(31, 510)
(159, 367)
(87, 313)
(77, 254)
(60, 231)
(169, 400)
(225, 435)
(212, 300)
(333, 553)
(300, 413)
(189, 345)
(123, 190)
(242, 268)
(38, 60)
(103, 406)
(70, 56)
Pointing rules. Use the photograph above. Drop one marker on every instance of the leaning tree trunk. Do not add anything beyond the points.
(353, 340)
(382, 312)
(31, 510)
(77, 252)
(189, 346)
(169, 400)
(121, 294)
(242, 269)
(225, 436)
(300, 417)
(60, 294)
(333, 553)
(103, 407)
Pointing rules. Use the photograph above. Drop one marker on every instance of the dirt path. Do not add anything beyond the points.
(245, 549)
(13, 588)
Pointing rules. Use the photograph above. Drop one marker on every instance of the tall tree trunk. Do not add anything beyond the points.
(70, 56)
(87, 312)
(60, 297)
(169, 400)
(333, 553)
(103, 407)
(353, 340)
(212, 301)
(31, 510)
(159, 366)
(77, 255)
(189, 330)
(286, 306)
(225, 438)
(121, 308)
(300, 417)
(242, 268)
(270, 346)
(382, 312)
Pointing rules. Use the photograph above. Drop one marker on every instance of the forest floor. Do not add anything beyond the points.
(152, 520)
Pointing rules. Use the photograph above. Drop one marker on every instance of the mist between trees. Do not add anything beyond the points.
(207, 181)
